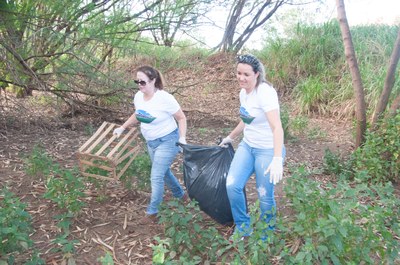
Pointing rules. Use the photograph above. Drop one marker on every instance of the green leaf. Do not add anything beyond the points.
(335, 260)
(159, 258)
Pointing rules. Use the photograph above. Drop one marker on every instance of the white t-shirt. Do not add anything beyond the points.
(156, 115)
(257, 131)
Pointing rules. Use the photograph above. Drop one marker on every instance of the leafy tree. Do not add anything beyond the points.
(244, 18)
(64, 47)
(170, 17)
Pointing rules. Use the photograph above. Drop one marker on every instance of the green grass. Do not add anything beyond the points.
(311, 66)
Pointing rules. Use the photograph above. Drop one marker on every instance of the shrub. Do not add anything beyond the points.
(336, 165)
(378, 160)
(139, 170)
(15, 226)
(330, 220)
(66, 189)
(38, 163)
(188, 240)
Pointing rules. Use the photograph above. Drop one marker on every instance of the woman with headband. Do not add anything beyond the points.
(261, 150)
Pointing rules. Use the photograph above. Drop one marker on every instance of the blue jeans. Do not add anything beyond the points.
(246, 161)
(162, 153)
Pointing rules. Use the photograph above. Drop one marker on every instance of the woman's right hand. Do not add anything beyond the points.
(227, 140)
(118, 131)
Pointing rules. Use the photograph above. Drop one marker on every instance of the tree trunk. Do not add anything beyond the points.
(355, 73)
(233, 21)
(389, 82)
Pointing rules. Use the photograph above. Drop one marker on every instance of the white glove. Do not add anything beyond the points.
(275, 169)
(119, 131)
(182, 140)
(227, 140)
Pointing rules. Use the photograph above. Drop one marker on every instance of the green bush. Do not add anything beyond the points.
(38, 163)
(329, 220)
(66, 188)
(138, 172)
(378, 160)
(299, 125)
(188, 240)
(15, 226)
(336, 165)
(192, 240)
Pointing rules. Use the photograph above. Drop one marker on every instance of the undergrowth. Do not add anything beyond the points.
(310, 65)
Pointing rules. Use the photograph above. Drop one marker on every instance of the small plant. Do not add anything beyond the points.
(316, 133)
(188, 240)
(378, 160)
(106, 260)
(226, 131)
(66, 189)
(67, 246)
(138, 172)
(332, 163)
(299, 124)
(35, 259)
(89, 129)
(203, 131)
(15, 226)
(257, 248)
(38, 163)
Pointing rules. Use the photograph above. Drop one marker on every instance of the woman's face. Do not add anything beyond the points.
(147, 86)
(246, 77)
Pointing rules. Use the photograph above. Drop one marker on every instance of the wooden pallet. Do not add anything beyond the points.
(105, 156)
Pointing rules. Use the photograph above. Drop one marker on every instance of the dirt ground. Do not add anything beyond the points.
(110, 224)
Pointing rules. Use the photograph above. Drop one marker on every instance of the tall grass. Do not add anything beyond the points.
(181, 56)
(311, 66)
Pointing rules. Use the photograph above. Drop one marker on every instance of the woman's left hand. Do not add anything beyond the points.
(275, 169)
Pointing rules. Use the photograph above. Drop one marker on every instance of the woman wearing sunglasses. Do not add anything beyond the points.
(261, 150)
(162, 124)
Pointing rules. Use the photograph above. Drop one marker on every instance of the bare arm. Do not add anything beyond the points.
(131, 121)
(182, 124)
(238, 130)
(277, 131)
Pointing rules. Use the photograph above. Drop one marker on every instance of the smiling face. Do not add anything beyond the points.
(246, 77)
(148, 87)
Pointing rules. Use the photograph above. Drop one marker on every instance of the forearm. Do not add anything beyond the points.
(129, 122)
(237, 131)
(182, 125)
(275, 123)
(278, 141)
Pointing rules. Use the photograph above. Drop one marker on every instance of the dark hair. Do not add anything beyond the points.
(152, 74)
(255, 64)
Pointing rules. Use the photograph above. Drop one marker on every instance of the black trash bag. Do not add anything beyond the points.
(205, 169)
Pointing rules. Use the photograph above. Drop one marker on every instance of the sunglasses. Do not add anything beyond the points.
(140, 82)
